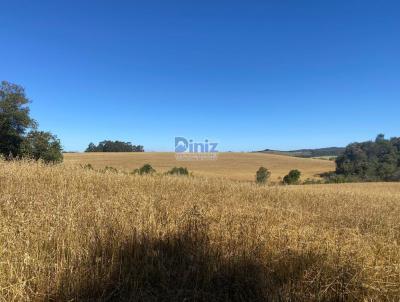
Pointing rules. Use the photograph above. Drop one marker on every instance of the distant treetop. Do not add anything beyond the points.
(114, 146)
(371, 160)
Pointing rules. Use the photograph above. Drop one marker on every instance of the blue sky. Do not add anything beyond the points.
(249, 74)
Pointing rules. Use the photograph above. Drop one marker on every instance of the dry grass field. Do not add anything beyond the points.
(70, 234)
(236, 166)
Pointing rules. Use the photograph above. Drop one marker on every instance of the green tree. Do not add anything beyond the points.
(262, 175)
(91, 148)
(380, 138)
(292, 178)
(14, 118)
(40, 145)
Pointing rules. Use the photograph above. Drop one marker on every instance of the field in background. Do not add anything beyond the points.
(236, 166)
(70, 234)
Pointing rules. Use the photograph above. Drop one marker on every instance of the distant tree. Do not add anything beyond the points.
(114, 146)
(380, 138)
(395, 141)
(262, 175)
(91, 148)
(145, 169)
(378, 160)
(178, 171)
(138, 148)
(14, 118)
(292, 178)
(42, 145)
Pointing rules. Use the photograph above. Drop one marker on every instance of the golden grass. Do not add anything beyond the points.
(236, 166)
(69, 234)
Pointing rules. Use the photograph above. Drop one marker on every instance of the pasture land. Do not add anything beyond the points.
(235, 166)
(70, 234)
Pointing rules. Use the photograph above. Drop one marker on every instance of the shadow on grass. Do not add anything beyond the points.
(185, 267)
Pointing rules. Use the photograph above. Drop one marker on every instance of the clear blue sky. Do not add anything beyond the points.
(249, 74)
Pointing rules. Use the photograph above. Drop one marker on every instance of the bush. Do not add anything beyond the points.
(87, 167)
(178, 171)
(395, 176)
(40, 145)
(312, 181)
(292, 178)
(145, 169)
(110, 169)
(339, 179)
(262, 175)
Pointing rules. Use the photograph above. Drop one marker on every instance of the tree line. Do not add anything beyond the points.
(114, 146)
(19, 134)
(377, 160)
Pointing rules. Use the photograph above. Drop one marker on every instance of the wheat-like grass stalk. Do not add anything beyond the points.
(70, 234)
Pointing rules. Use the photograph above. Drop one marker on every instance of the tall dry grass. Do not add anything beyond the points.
(69, 234)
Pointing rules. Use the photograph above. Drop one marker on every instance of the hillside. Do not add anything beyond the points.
(235, 166)
(321, 152)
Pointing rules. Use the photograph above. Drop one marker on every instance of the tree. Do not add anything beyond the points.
(14, 118)
(380, 138)
(40, 145)
(292, 178)
(138, 148)
(91, 148)
(262, 175)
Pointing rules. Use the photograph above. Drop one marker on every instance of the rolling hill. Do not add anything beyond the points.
(321, 152)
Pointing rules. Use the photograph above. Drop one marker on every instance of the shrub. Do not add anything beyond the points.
(292, 178)
(178, 171)
(110, 169)
(40, 145)
(87, 167)
(395, 176)
(312, 181)
(145, 169)
(339, 179)
(262, 175)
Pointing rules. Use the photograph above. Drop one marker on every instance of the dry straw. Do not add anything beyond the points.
(70, 234)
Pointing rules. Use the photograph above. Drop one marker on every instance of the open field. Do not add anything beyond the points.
(69, 234)
(236, 166)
